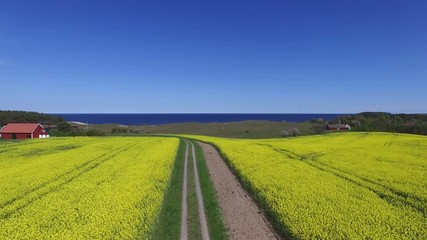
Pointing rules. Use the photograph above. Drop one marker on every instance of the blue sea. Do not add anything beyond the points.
(142, 119)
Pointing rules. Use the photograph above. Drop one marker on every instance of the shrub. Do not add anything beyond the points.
(95, 132)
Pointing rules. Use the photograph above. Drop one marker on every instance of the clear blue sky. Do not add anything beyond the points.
(213, 56)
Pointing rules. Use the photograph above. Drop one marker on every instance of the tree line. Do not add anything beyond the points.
(28, 117)
(386, 122)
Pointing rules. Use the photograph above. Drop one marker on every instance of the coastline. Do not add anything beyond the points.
(173, 118)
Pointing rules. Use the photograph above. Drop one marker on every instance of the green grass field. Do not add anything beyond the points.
(339, 186)
(243, 129)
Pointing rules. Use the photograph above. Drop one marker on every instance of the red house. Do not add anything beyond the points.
(23, 131)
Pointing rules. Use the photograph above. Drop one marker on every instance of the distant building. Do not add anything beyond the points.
(338, 127)
(23, 131)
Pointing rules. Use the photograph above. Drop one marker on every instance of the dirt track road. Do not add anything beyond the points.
(184, 214)
(243, 219)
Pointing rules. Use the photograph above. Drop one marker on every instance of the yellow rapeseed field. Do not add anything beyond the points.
(337, 186)
(82, 187)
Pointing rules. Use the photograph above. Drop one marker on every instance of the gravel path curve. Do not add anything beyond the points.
(243, 219)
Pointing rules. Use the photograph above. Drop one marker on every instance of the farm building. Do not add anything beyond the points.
(23, 131)
(338, 127)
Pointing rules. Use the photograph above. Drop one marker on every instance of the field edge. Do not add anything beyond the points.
(166, 226)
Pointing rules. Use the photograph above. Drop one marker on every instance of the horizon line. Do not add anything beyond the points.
(188, 113)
